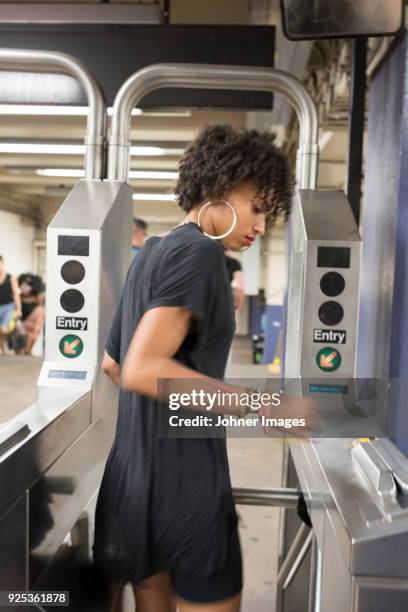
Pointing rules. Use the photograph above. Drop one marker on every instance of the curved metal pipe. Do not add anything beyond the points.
(205, 76)
(41, 61)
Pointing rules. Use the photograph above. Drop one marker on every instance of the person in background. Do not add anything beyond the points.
(32, 306)
(138, 236)
(9, 302)
(236, 278)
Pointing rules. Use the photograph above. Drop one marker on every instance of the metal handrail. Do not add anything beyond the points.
(205, 76)
(278, 497)
(295, 556)
(298, 561)
(41, 61)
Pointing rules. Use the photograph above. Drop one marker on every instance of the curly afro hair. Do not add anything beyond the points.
(35, 282)
(222, 158)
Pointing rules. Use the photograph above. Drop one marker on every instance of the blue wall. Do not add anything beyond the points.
(383, 329)
(255, 313)
(266, 319)
(273, 324)
(399, 336)
(379, 219)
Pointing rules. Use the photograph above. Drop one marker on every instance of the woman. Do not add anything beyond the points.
(165, 517)
(32, 306)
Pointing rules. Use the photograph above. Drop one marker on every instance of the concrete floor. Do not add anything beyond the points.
(253, 462)
(257, 462)
(18, 379)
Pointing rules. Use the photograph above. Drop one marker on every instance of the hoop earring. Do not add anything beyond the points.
(227, 233)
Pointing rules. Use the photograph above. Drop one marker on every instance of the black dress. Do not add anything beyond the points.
(166, 503)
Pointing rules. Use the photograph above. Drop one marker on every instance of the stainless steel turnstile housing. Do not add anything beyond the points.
(52, 454)
(52, 473)
(358, 505)
(356, 556)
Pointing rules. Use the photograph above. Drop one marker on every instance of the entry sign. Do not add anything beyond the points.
(71, 346)
(338, 336)
(77, 323)
(328, 359)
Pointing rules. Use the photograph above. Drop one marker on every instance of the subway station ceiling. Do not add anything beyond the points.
(40, 150)
(158, 141)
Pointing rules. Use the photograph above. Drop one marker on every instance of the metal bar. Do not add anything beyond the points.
(43, 61)
(205, 76)
(315, 588)
(74, 13)
(283, 513)
(296, 546)
(279, 497)
(298, 561)
(356, 124)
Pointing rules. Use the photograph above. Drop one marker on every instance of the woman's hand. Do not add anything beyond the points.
(300, 412)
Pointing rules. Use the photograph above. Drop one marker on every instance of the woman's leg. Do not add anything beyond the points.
(219, 592)
(231, 604)
(154, 594)
(31, 338)
(33, 325)
(3, 337)
(6, 315)
(116, 591)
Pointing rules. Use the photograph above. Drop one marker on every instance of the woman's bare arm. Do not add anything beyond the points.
(16, 295)
(150, 357)
(159, 335)
(111, 369)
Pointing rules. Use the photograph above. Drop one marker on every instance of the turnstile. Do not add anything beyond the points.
(358, 502)
(53, 454)
(323, 291)
(88, 253)
(52, 473)
(355, 557)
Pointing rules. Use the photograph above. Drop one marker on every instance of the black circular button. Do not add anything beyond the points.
(331, 313)
(72, 300)
(72, 272)
(332, 284)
